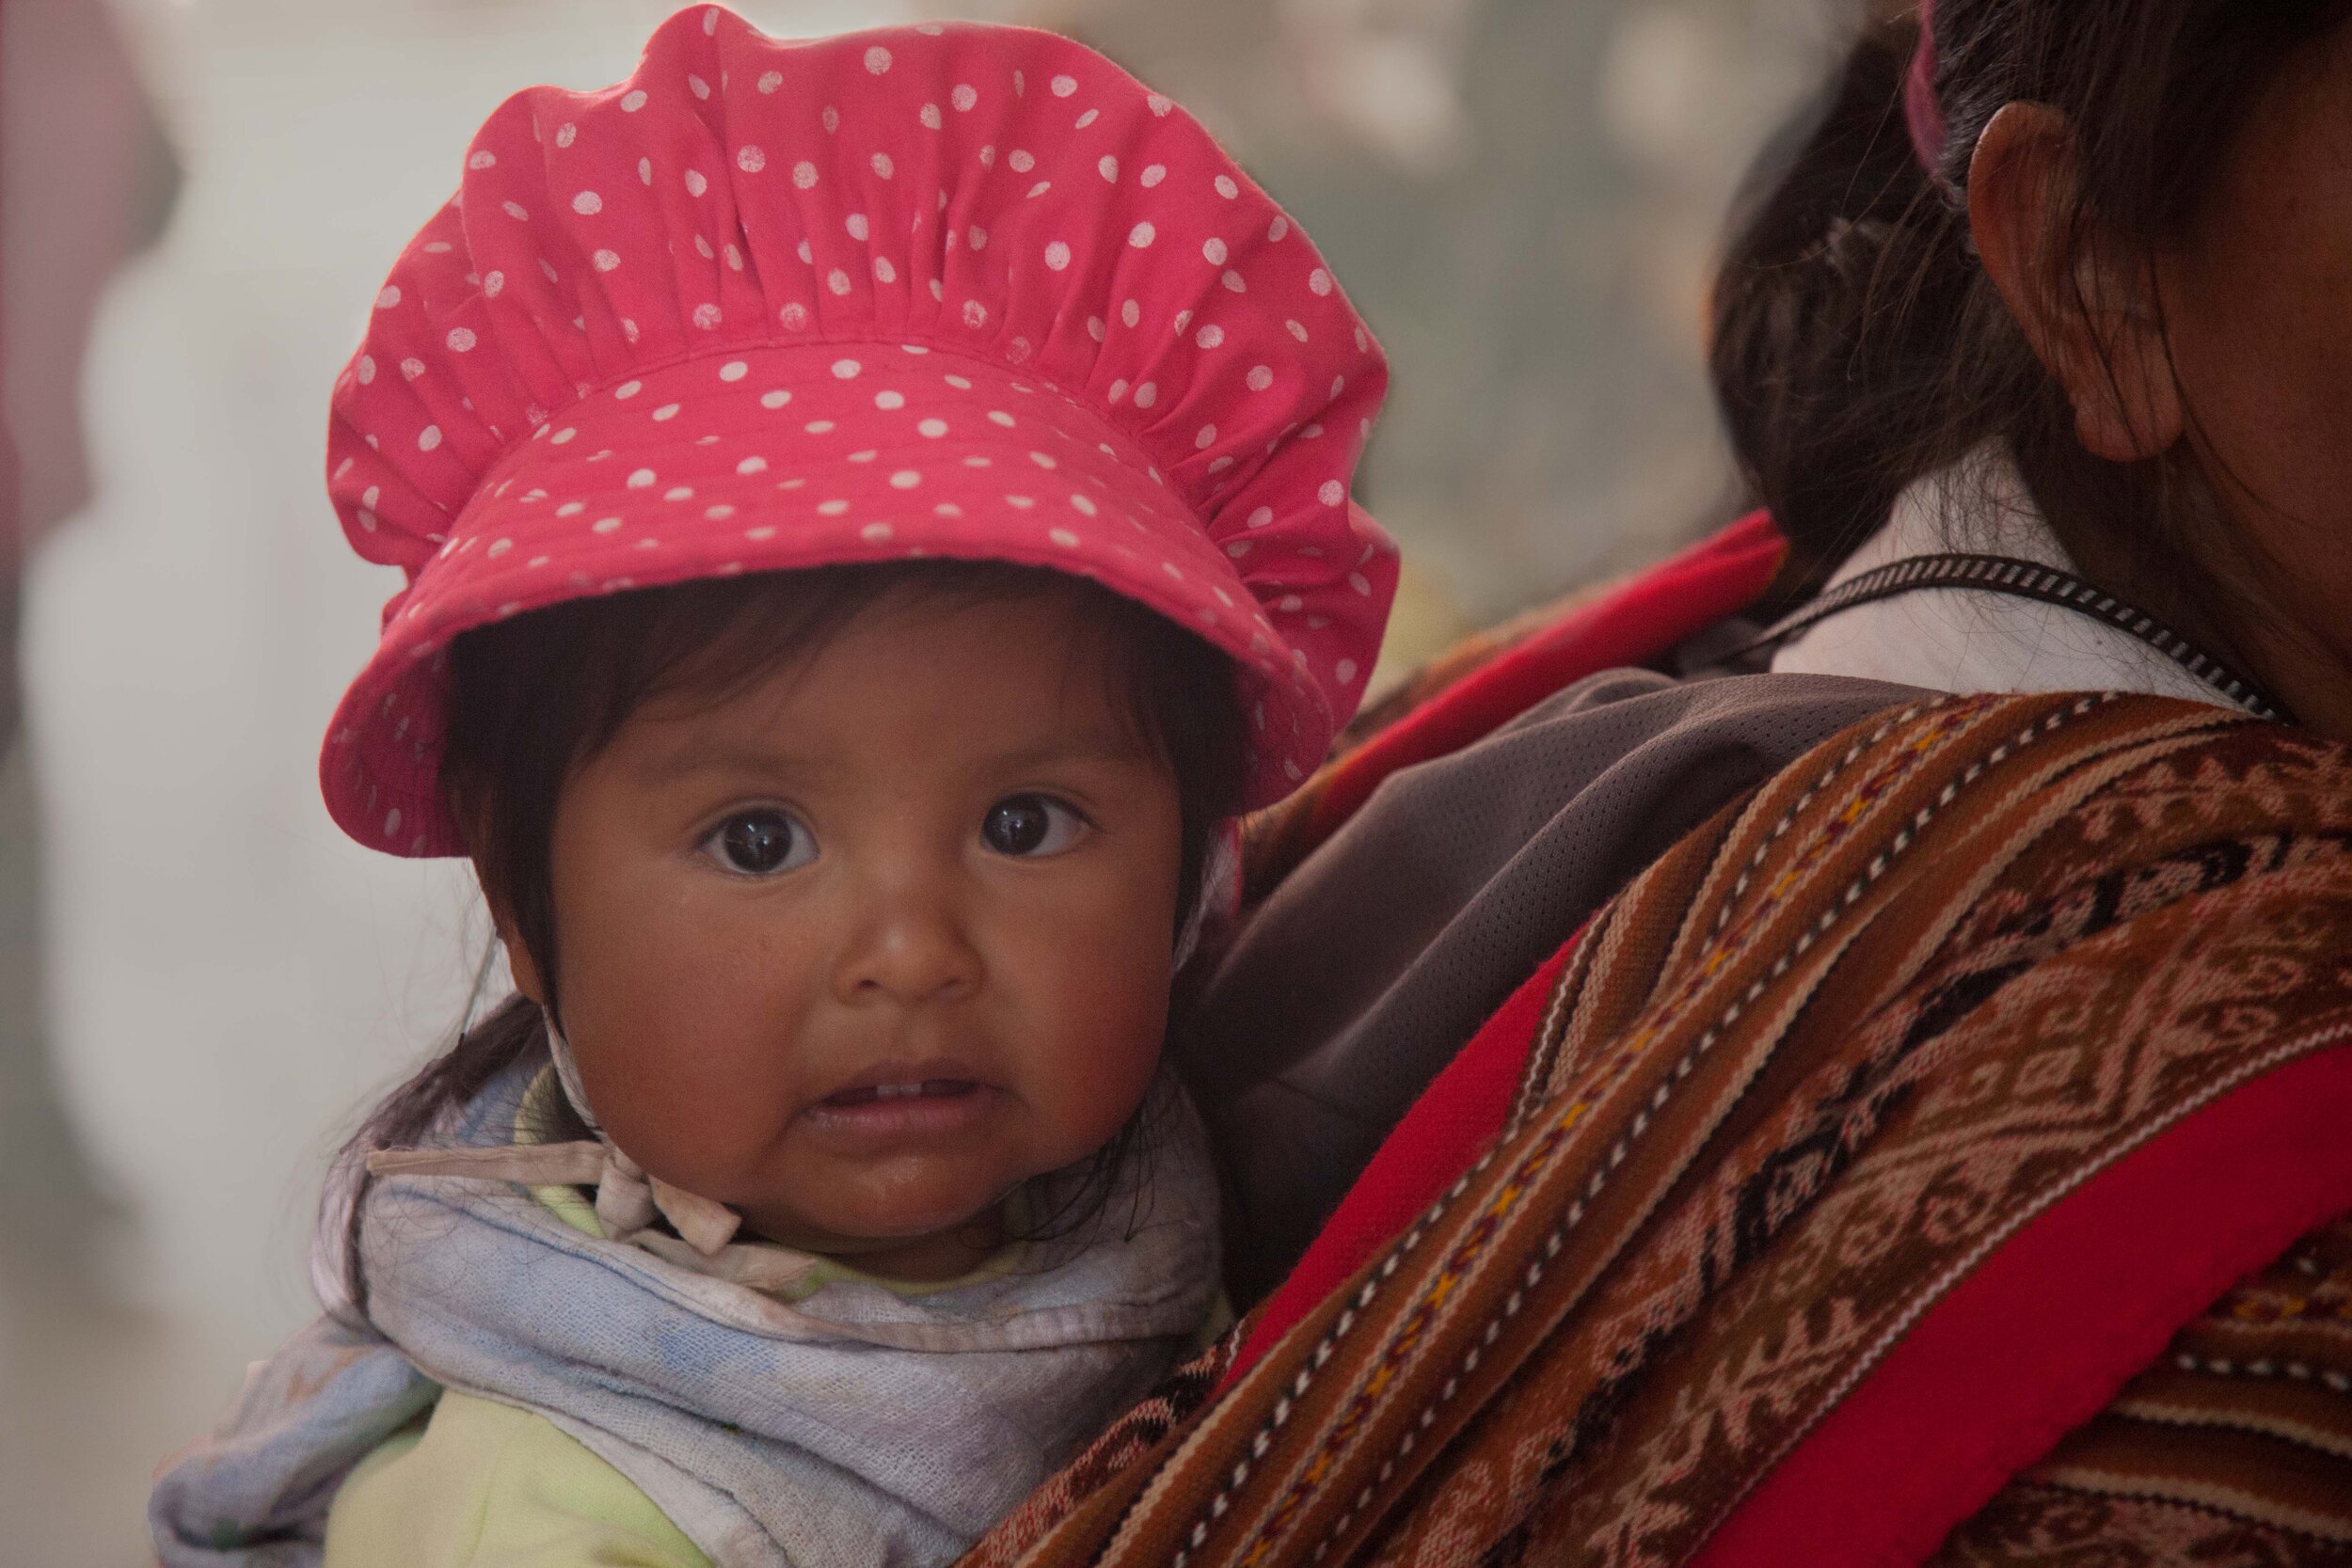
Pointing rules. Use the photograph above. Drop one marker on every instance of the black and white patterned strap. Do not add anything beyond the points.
(2026, 580)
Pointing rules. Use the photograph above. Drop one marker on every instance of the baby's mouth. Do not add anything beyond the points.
(927, 1088)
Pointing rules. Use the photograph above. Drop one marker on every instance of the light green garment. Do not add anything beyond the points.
(485, 1486)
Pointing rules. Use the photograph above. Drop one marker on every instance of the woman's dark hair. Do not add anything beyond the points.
(532, 698)
(1857, 344)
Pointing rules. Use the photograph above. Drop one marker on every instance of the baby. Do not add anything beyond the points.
(874, 511)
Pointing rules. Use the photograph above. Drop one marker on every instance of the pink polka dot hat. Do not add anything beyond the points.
(946, 290)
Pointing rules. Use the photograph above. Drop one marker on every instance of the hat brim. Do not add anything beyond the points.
(791, 456)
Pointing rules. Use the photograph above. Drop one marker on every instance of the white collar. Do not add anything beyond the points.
(1963, 640)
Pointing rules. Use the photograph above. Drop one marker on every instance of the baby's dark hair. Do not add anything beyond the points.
(534, 698)
(1859, 346)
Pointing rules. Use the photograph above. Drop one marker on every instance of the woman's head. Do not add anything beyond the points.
(856, 891)
(2123, 264)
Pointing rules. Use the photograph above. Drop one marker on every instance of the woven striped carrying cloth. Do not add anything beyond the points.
(1942, 1156)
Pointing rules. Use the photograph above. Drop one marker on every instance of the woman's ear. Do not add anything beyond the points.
(2092, 316)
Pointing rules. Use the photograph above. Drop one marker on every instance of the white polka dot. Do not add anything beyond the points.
(604, 525)
(633, 101)
(1084, 504)
(482, 159)
(976, 237)
(769, 81)
(1332, 493)
(794, 316)
(644, 171)
(566, 133)
(516, 210)
(605, 260)
(1359, 582)
(931, 117)
(974, 314)
(720, 512)
(857, 226)
(846, 370)
(933, 428)
(1210, 335)
(1095, 329)
(751, 160)
(1146, 394)
(1021, 160)
(1064, 85)
(499, 547)
(1131, 314)
(492, 282)
(667, 411)
(412, 367)
(695, 184)
(1338, 385)
(884, 271)
(1296, 330)
(1319, 280)
(548, 267)
(702, 248)
(628, 389)
(837, 281)
(388, 296)
(819, 427)
(803, 174)
(1206, 439)
(1141, 235)
(905, 478)
(678, 493)
(1261, 378)
(884, 168)
(1235, 282)
(429, 437)
(365, 371)
(832, 508)
(734, 370)
(988, 157)
(1215, 250)
(1063, 537)
(764, 532)
(963, 97)
(1089, 118)
(587, 204)
(1184, 318)
(998, 416)
(1024, 502)
(832, 117)
(1107, 167)
(1042, 459)
(696, 86)
(777, 399)
(1057, 256)
(1118, 391)
(1264, 515)
(890, 400)
(959, 383)
(565, 434)
(642, 479)
(1159, 105)
(1226, 188)
(877, 60)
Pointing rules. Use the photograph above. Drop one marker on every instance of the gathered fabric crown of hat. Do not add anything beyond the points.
(946, 291)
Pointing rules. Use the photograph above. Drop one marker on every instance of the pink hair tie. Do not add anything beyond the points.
(1922, 109)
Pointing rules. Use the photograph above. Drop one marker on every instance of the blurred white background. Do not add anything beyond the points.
(200, 980)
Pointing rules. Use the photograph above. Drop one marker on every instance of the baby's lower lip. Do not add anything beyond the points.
(930, 1107)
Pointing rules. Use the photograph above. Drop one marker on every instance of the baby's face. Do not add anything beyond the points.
(861, 949)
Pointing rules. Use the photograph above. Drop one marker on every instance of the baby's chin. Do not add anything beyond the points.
(893, 1244)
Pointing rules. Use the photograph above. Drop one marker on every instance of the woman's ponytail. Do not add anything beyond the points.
(1841, 313)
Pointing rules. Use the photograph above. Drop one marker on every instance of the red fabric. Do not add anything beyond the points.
(1637, 621)
(2039, 1339)
(1454, 1118)
(946, 290)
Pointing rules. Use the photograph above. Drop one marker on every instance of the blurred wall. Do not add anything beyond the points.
(1522, 194)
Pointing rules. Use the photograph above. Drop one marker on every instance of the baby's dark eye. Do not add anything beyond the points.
(1031, 825)
(760, 843)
